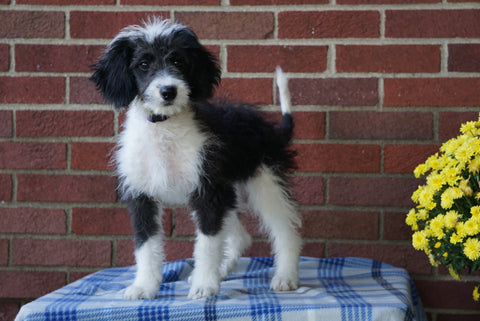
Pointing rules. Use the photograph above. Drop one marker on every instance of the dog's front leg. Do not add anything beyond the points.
(205, 278)
(149, 253)
(212, 205)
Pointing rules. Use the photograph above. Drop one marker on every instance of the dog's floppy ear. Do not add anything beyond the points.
(113, 77)
(206, 75)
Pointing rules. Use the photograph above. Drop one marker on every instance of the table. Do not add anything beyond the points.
(343, 288)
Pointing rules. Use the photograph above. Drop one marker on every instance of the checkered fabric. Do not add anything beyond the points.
(330, 289)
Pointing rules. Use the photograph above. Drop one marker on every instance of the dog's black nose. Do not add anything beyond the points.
(168, 92)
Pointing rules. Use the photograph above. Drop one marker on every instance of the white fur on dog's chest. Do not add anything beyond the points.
(160, 159)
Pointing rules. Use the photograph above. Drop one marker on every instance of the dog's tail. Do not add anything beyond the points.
(286, 126)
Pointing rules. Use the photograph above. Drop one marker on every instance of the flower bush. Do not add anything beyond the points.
(446, 221)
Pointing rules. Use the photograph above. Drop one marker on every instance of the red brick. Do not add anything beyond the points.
(124, 255)
(433, 92)
(91, 156)
(309, 125)
(313, 249)
(266, 58)
(61, 252)
(32, 90)
(334, 91)
(4, 57)
(66, 2)
(173, 2)
(338, 158)
(328, 24)
(464, 57)
(64, 123)
(253, 225)
(258, 249)
(252, 90)
(309, 189)
(56, 58)
(229, 25)
(184, 225)
(32, 24)
(340, 225)
(106, 25)
(6, 190)
(9, 309)
(404, 158)
(83, 91)
(16, 155)
(380, 125)
(101, 221)
(177, 250)
(388, 58)
(394, 227)
(29, 284)
(32, 220)
(372, 191)
(449, 123)
(404, 256)
(275, 2)
(6, 130)
(4, 245)
(432, 23)
(447, 294)
(66, 188)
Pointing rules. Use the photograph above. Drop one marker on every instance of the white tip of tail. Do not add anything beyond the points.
(283, 92)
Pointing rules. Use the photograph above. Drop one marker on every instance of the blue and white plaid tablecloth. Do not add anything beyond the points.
(330, 289)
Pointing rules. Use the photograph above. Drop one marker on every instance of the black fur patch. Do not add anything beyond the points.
(143, 211)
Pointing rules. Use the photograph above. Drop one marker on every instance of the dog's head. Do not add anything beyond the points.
(160, 64)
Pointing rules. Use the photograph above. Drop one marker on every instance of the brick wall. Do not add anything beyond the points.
(377, 86)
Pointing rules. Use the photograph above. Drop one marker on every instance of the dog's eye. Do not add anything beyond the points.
(143, 65)
(177, 62)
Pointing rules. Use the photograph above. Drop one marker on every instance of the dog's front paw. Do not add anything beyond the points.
(134, 292)
(284, 283)
(203, 291)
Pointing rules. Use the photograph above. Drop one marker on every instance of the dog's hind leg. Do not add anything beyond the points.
(268, 198)
(236, 242)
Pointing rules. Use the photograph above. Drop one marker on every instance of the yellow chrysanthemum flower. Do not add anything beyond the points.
(449, 195)
(460, 228)
(471, 248)
(475, 211)
(436, 226)
(420, 170)
(474, 165)
(465, 187)
(419, 240)
(467, 127)
(476, 294)
(411, 219)
(472, 227)
(451, 219)
(454, 238)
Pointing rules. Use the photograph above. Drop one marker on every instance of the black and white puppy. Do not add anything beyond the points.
(178, 149)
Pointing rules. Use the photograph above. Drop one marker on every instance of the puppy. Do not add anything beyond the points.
(176, 148)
